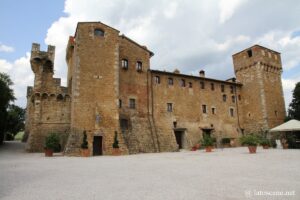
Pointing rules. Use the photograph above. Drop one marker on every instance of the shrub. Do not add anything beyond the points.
(225, 141)
(265, 142)
(52, 142)
(207, 141)
(250, 140)
(116, 142)
(84, 144)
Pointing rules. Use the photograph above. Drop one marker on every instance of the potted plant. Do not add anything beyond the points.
(225, 142)
(265, 143)
(252, 141)
(51, 144)
(208, 143)
(85, 152)
(116, 149)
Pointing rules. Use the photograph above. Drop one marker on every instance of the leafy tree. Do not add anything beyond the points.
(7, 95)
(294, 108)
(15, 120)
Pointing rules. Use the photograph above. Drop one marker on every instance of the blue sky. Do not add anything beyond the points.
(188, 35)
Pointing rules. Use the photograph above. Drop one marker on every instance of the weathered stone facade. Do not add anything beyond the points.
(111, 88)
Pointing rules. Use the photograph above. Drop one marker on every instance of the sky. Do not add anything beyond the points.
(189, 35)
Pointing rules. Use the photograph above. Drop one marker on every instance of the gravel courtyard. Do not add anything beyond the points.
(224, 174)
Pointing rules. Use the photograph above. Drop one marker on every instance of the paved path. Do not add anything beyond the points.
(223, 174)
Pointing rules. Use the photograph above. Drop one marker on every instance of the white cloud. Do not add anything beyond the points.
(227, 8)
(5, 48)
(21, 75)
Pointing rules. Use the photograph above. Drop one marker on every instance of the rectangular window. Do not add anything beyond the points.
(124, 64)
(202, 85)
(212, 86)
(222, 88)
(169, 107)
(120, 103)
(132, 103)
(231, 112)
(249, 52)
(204, 108)
(190, 85)
(224, 97)
(240, 98)
(213, 111)
(182, 83)
(231, 89)
(157, 79)
(124, 124)
(233, 99)
(170, 81)
(139, 66)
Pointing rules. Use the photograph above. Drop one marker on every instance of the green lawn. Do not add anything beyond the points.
(19, 136)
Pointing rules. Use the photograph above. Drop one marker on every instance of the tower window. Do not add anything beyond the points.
(139, 66)
(169, 107)
(124, 63)
(231, 112)
(276, 113)
(190, 84)
(170, 81)
(240, 98)
(224, 97)
(202, 85)
(120, 103)
(213, 111)
(157, 79)
(182, 83)
(132, 103)
(98, 32)
(249, 52)
(231, 89)
(233, 99)
(204, 108)
(222, 88)
(212, 86)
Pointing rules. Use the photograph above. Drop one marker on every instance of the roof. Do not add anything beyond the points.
(196, 77)
(292, 125)
(256, 45)
(143, 47)
(93, 23)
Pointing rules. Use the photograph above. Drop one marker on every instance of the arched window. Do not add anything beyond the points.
(98, 32)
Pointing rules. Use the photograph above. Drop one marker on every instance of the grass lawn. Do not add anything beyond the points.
(19, 135)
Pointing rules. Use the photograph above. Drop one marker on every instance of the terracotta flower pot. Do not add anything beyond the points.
(197, 146)
(252, 149)
(85, 152)
(208, 149)
(265, 146)
(48, 152)
(116, 152)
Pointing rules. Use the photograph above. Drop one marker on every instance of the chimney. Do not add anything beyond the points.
(202, 73)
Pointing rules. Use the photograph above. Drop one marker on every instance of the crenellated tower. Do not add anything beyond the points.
(259, 70)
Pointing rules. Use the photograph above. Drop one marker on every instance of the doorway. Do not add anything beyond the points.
(179, 138)
(97, 146)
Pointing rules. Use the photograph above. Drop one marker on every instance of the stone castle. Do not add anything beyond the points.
(111, 88)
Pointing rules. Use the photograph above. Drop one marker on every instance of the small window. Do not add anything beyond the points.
(98, 32)
(212, 86)
(233, 99)
(213, 111)
(204, 108)
(231, 89)
(124, 64)
(249, 52)
(132, 103)
(124, 124)
(139, 66)
(120, 103)
(170, 81)
(222, 88)
(202, 85)
(239, 97)
(276, 113)
(182, 83)
(224, 97)
(169, 107)
(231, 112)
(157, 79)
(190, 84)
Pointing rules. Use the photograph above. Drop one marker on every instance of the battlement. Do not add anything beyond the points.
(36, 53)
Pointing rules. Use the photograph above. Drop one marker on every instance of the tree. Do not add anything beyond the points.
(15, 120)
(294, 108)
(7, 95)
